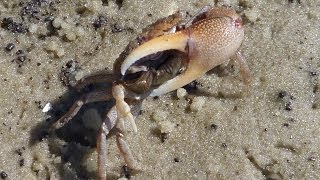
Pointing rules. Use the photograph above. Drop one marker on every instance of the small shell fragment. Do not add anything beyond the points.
(47, 107)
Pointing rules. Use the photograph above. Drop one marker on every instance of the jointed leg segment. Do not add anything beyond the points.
(96, 96)
(244, 68)
(106, 126)
(123, 108)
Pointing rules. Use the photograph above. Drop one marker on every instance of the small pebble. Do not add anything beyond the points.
(117, 28)
(164, 137)
(214, 126)
(54, 47)
(21, 162)
(3, 175)
(252, 14)
(282, 94)
(57, 22)
(285, 124)
(21, 58)
(33, 28)
(312, 158)
(99, 22)
(181, 92)
(166, 126)
(19, 52)
(288, 106)
(60, 52)
(37, 166)
(313, 73)
(10, 46)
(224, 145)
(159, 116)
(70, 36)
(197, 103)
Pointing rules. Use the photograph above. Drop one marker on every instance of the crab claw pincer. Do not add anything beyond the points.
(213, 37)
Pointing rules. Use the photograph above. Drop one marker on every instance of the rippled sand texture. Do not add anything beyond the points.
(271, 130)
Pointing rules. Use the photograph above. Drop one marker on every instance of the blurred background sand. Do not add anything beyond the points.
(270, 131)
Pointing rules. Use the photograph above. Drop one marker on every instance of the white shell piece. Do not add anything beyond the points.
(47, 107)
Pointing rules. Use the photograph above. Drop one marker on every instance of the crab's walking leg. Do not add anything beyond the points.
(96, 96)
(102, 152)
(244, 68)
(94, 79)
(123, 108)
(204, 10)
(126, 152)
(122, 145)
(108, 123)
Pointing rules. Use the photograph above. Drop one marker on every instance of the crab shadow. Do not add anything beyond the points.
(76, 139)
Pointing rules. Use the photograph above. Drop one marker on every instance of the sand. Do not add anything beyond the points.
(269, 130)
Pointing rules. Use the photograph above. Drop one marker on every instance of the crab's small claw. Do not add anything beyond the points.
(123, 109)
(176, 41)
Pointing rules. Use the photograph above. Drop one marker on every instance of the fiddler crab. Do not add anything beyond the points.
(168, 55)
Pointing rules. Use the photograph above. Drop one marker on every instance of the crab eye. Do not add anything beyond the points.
(238, 23)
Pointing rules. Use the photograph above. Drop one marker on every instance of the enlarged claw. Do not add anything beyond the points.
(123, 109)
(212, 38)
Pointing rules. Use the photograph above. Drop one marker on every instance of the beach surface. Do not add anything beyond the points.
(221, 129)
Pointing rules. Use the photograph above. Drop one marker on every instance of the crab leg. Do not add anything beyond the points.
(125, 151)
(102, 152)
(204, 10)
(122, 145)
(96, 96)
(108, 123)
(244, 68)
(97, 78)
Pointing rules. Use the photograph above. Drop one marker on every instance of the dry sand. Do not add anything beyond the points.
(270, 132)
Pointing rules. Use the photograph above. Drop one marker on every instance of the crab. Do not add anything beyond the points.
(168, 55)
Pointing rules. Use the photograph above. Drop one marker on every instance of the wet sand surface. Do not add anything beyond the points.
(269, 130)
